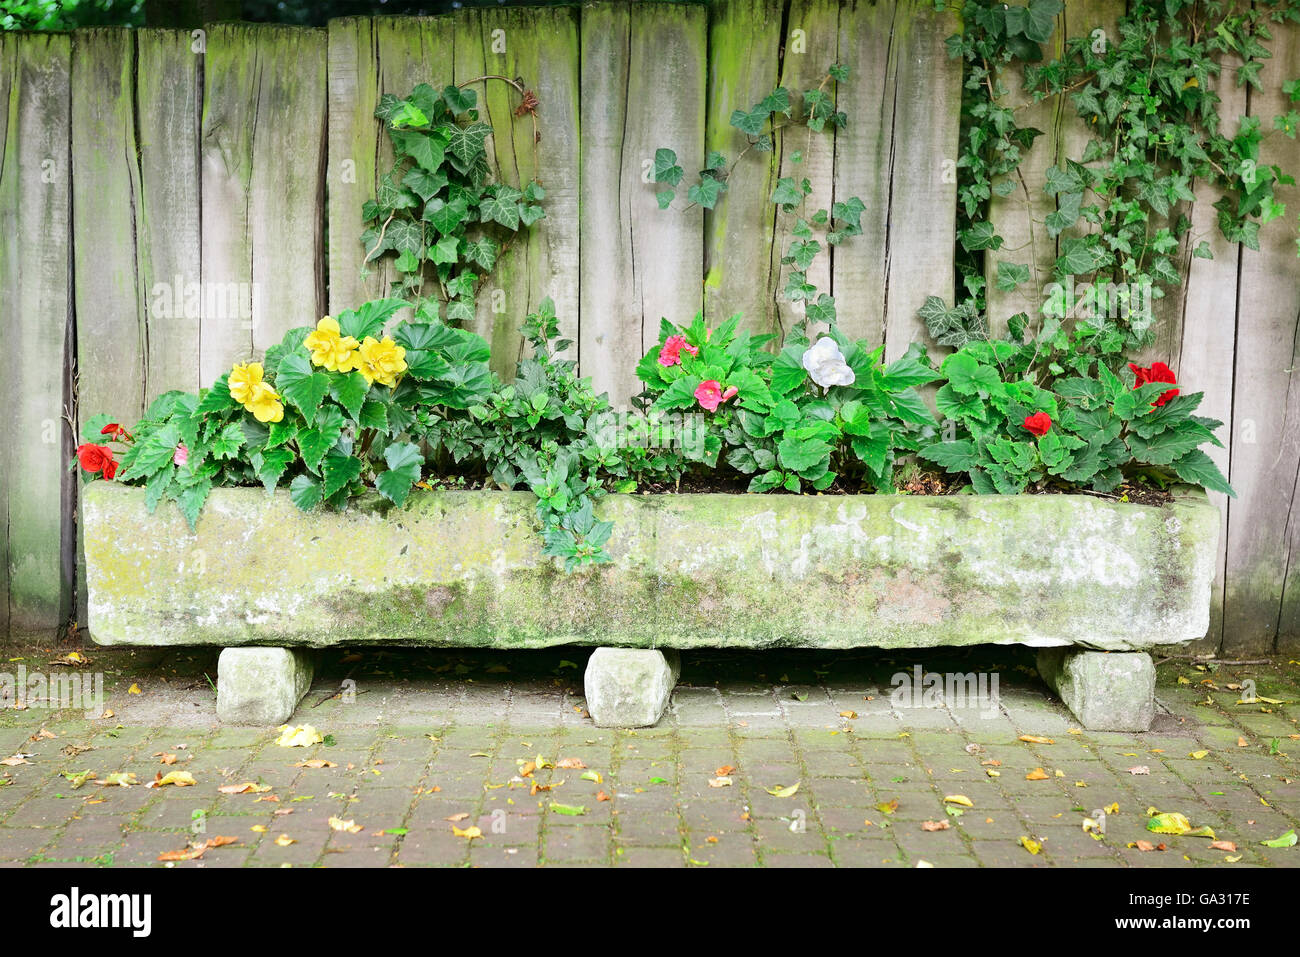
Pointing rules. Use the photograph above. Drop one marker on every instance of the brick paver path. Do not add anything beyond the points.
(429, 742)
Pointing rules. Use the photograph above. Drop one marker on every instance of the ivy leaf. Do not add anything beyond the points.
(1011, 275)
(446, 216)
(980, 235)
(459, 100)
(404, 461)
(786, 192)
(751, 121)
(482, 252)
(500, 209)
(425, 182)
(466, 144)
(421, 147)
(706, 192)
(665, 167)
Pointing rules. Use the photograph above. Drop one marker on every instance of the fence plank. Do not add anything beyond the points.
(35, 311)
(1019, 217)
(811, 44)
(109, 299)
(638, 263)
(107, 291)
(263, 189)
(744, 41)
(1203, 356)
(351, 173)
(411, 51)
(168, 239)
(923, 208)
(8, 271)
(540, 46)
(863, 149)
(1266, 400)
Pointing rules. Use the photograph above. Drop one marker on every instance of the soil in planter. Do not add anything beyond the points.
(911, 482)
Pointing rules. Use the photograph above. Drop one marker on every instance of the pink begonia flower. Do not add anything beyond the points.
(710, 395)
(670, 354)
(182, 454)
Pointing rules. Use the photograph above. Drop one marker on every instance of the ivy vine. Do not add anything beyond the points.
(1147, 96)
(437, 211)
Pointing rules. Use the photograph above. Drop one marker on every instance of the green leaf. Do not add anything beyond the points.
(1011, 275)
(217, 398)
(191, 499)
(1199, 469)
(706, 192)
(320, 438)
(666, 168)
(500, 209)
(404, 461)
(305, 490)
(338, 470)
(446, 216)
(349, 390)
(302, 385)
(955, 456)
(967, 376)
(374, 415)
(228, 441)
(272, 466)
(369, 319)
(466, 144)
(459, 100)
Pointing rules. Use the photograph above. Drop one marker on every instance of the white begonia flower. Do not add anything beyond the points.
(825, 363)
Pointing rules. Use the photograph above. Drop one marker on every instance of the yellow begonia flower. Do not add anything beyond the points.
(329, 349)
(248, 389)
(381, 362)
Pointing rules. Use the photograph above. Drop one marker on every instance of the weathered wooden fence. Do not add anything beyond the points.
(172, 202)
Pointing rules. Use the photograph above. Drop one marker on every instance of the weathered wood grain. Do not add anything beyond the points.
(863, 155)
(1019, 217)
(639, 263)
(168, 240)
(744, 44)
(353, 142)
(923, 208)
(109, 297)
(1266, 403)
(810, 44)
(35, 312)
(539, 46)
(263, 189)
(1203, 356)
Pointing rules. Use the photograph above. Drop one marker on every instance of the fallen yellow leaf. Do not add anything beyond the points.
(302, 736)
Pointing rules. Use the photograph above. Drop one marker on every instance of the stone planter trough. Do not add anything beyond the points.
(1091, 582)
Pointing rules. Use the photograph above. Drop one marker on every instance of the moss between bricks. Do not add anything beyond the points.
(464, 569)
